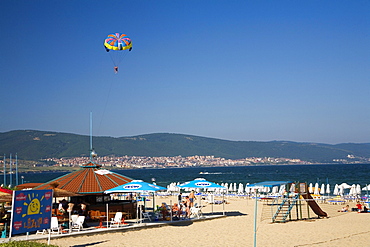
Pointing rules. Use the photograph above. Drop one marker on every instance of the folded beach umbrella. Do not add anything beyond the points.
(316, 191)
(231, 187)
(275, 189)
(328, 188)
(138, 186)
(336, 190)
(282, 189)
(341, 190)
(358, 189)
(322, 189)
(240, 188)
(352, 191)
(310, 189)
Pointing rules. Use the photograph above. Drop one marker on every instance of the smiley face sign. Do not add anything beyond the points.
(34, 207)
(32, 210)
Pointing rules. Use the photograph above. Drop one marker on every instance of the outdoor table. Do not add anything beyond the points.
(101, 217)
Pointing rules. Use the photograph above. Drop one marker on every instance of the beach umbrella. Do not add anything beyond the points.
(366, 187)
(63, 193)
(316, 190)
(310, 189)
(5, 195)
(282, 189)
(341, 190)
(275, 189)
(234, 189)
(328, 188)
(6, 191)
(201, 183)
(322, 190)
(138, 186)
(352, 191)
(231, 187)
(240, 188)
(358, 189)
(336, 190)
(345, 186)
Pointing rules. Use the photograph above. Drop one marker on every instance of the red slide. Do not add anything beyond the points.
(314, 206)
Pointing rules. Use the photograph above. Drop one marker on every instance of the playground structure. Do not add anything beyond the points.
(295, 205)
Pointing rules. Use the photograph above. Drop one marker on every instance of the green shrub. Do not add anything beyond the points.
(25, 244)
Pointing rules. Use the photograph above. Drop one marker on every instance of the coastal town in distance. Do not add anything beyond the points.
(142, 162)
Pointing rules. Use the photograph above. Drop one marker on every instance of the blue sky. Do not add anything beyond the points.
(235, 70)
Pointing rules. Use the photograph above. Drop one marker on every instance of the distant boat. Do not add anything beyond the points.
(210, 173)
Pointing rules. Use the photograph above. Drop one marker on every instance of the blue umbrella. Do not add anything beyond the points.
(138, 186)
(200, 183)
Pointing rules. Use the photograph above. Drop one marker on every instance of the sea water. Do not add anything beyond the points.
(332, 174)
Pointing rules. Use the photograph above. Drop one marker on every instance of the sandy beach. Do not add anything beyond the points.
(237, 229)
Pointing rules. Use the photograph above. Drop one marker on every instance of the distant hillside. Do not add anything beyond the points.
(36, 145)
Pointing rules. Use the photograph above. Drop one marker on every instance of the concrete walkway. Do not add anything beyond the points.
(93, 229)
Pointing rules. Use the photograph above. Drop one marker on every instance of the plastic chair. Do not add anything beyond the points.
(146, 216)
(196, 212)
(54, 226)
(78, 225)
(117, 220)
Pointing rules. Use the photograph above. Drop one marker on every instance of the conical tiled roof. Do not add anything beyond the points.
(89, 179)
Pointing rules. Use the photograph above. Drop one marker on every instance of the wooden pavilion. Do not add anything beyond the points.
(90, 182)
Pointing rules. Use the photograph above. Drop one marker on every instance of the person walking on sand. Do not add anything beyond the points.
(179, 198)
(191, 198)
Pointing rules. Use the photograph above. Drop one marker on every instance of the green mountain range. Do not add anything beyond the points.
(36, 145)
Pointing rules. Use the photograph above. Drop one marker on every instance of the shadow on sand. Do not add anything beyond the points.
(90, 244)
(234, 213)
(229, 213)
(182, 223)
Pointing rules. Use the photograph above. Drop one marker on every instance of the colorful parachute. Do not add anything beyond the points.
(118, 45)
(117, 42)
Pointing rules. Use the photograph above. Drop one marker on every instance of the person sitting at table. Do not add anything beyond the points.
(70, 207)
(82, 210)
(176, 210)
(164, 211)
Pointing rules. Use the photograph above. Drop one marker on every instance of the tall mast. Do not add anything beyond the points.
(92, 152)
(4, 170)
(10, 171)
(91, 145)
(16, 169)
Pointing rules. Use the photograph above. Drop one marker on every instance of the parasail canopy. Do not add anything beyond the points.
(117, 42)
